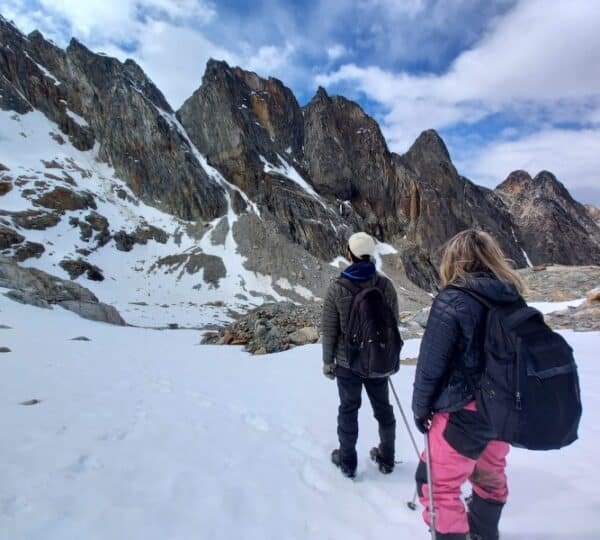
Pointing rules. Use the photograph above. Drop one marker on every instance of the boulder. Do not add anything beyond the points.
(63, 199)
(80, 266)
(95, 311)
(303, 336)
(5, 187)
(35, 219)
(9, 237)
(28, 250)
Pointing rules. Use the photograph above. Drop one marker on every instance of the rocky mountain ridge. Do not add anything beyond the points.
(255, 194)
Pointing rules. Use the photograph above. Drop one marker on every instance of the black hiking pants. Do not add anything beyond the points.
(350, 390)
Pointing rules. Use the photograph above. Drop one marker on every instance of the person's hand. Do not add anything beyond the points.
(329, 371)
(423, 423)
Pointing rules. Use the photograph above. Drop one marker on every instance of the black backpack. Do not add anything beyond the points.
(529, 389)
(372, 339)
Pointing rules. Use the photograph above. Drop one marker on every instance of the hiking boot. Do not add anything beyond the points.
(484, 516)
(348, 471)
(385, 466)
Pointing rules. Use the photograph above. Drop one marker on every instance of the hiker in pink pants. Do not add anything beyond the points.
(462, 444)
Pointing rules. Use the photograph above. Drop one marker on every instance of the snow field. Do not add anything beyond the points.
(145, 434)
(144, 295)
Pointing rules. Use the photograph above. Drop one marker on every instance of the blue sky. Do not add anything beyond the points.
(509, 84)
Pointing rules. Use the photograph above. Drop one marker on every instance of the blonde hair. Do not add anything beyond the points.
(476, 251)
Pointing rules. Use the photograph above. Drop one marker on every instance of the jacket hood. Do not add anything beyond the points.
(361, 271)
(490, 287)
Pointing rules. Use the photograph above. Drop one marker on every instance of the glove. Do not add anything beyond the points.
(423, 423)
(329, 371)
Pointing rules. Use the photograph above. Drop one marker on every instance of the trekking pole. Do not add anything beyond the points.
(430, 480)
(412, 438)
(413, 503)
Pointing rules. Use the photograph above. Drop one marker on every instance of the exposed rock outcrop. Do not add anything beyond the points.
(449, 203)
(270, 328)
(80, 267)
(583, 318)
(37, 288)
(594, 212)
(560, 283)
(551, 226)
(96, 98)
(297, 180)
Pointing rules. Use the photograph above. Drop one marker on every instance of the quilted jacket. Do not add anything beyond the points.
(336, 310)
(455, 332)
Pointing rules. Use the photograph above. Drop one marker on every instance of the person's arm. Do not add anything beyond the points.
(330, 326)
(437, 350)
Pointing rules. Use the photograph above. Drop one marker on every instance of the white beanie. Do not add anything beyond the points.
(361, 244)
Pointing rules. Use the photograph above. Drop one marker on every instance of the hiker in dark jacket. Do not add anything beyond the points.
(461, 442)
(336, 310)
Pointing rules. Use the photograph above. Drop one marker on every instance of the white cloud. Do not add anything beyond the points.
(403, 8)
(269, 58)
(335, 52)
(539, 53)
(539, 62)
(122, 19)
(177, 74)
(573, 156)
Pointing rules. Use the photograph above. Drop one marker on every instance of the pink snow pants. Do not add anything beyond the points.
(451, 469)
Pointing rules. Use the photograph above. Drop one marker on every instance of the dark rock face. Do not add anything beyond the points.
(315, 173)
(118, 106)
(551, 226)
(235, 117)
(348, 159)
(251, 130)
(447, 203)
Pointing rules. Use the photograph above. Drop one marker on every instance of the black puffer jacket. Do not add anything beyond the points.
(455, 331)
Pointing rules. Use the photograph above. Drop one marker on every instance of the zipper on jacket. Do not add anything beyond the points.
(518, 404)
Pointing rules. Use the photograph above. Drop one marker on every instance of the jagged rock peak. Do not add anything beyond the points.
(104, 70)
(236, 118)
(321, 94)
(520, 182)
(215, 68)
(552, 227)
(429, 144)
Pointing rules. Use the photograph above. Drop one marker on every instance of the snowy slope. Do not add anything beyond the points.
(143, 434)
(144, 293)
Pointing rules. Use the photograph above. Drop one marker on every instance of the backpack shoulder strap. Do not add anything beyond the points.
(380, 283)
(349, 285)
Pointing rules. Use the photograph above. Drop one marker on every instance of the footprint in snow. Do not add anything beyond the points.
(306, 446)
(314, 479)
(199, 399)
(84, 463)
(164, 386)
(379, 500)
(257, 422)
(14, 505)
